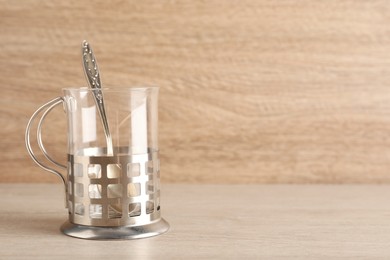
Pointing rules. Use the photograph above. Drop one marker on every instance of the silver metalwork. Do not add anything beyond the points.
(111, 192)
(129, 209)
(92, 74)
(48, 106)
(121, 232)
(39, 137)
(108, 197)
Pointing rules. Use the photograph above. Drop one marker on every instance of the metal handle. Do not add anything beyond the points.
(48, 107)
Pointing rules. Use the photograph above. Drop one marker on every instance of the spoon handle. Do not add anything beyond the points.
(92, 74)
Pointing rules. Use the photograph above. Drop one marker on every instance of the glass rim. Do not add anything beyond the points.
(113, 89)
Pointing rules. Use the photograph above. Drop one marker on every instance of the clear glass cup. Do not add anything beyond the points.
(131, 113)
(132, 118)
(113, 168)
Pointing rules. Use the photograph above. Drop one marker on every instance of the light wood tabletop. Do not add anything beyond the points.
(213, 222)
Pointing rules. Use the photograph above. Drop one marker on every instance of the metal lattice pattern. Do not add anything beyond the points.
(121, 190)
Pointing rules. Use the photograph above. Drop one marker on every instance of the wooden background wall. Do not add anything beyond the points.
(252, 91)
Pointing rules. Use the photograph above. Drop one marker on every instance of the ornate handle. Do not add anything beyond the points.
(47, 107)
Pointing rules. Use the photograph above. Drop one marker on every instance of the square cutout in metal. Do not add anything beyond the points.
(114, 211)
(70, 207)
(69, 168)
(133, 170)
(70, 187)
(78, 170)
(134, 209)
(79, 209)
(149, 187)
(149, 167)
(79, 189)
(94, 171)
(133, 189)
(95, 211)
(95, 191)
(149, 207)
(114, 171)
(114, 190)
(157, 185)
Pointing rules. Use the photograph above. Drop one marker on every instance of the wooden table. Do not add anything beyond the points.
(213, 222)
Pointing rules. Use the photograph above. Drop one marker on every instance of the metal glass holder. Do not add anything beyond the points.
(114, 197)
(108, 196)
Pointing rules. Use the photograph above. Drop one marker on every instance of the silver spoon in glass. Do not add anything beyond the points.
(92, 74)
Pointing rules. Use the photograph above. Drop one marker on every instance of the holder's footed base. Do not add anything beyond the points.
(108, 233)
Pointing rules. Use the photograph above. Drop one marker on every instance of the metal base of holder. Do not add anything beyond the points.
(109, 233)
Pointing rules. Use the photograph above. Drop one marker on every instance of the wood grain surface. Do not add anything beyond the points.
(251, 91)
(206, 222)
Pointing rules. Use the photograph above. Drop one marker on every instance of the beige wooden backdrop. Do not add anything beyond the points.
(251, 91)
